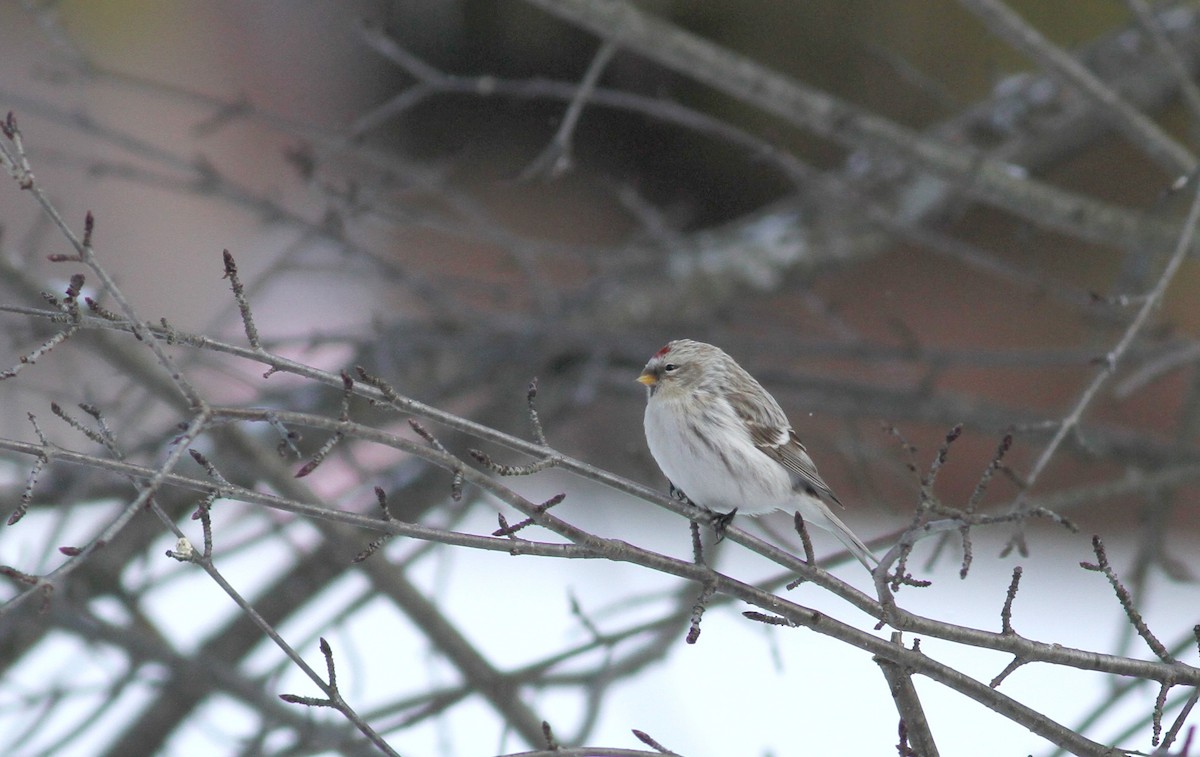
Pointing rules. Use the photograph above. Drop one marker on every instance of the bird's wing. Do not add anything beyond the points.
(783, 446)
(771, 433)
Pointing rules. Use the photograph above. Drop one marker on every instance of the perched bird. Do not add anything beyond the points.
(724, 442)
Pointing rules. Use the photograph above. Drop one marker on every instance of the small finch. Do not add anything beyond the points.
(724, 442)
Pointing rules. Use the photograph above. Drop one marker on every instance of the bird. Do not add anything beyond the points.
(726, 445)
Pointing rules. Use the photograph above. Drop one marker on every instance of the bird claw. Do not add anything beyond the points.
(721, 521)
(678, 495)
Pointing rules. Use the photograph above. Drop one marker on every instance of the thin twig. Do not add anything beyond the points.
(1010, 595)
(1113, 357)
(1126, 600)
(239, 295)
(556, 159)
(333, 698)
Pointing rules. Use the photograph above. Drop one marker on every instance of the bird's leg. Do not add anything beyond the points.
(721, 521)
(678, 495)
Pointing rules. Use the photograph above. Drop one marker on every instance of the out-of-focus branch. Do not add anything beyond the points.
(1142, 131)
(967, 169)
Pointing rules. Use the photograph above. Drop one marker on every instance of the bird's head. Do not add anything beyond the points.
(682, 366)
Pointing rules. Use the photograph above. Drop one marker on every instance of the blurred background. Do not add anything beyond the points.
(463, 196)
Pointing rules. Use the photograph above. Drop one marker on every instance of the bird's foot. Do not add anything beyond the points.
(721, 521)
(678, 495)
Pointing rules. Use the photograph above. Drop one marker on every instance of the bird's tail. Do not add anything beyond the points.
(825, 518)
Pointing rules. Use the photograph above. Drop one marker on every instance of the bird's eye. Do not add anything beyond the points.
(670, 367)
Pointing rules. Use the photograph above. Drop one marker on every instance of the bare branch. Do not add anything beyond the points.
(914, 725)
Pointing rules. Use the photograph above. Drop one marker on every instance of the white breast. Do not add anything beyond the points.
(719, 470)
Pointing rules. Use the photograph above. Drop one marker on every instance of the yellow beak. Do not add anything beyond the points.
(648, 379)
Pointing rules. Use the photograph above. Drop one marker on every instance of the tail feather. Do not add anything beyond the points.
(823, 517)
